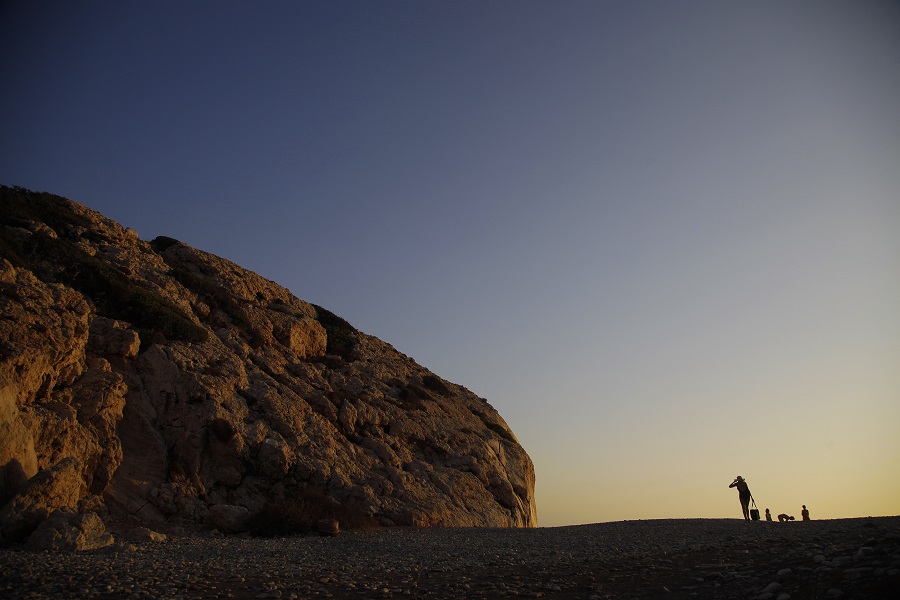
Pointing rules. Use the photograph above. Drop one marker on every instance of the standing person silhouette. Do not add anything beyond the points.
(743, 495)
(804, 513)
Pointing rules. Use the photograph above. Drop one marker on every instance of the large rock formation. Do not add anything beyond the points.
(172, 382)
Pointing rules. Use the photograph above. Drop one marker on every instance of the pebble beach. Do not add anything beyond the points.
(683, 558)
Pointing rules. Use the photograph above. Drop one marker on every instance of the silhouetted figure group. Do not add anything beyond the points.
(745, 497)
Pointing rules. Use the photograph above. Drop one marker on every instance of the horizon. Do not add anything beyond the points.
(737, 519)
(661, 240)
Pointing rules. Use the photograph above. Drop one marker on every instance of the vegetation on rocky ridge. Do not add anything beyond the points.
(53, 254)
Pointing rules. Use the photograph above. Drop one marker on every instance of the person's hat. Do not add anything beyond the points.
(739, 478)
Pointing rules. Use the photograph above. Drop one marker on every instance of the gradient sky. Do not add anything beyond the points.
(661, 238)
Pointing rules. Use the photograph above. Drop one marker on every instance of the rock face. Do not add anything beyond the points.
(18, 462)
(158, 382)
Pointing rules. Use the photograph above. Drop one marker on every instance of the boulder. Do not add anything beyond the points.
(60, 486)
(67, 530)
(328, 527)
(228, 518)
(142, 534)
(303, 336)
(109, 337)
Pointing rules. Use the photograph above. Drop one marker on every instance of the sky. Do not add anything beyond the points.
(661, 238)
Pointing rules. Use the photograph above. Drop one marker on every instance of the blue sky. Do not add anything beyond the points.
(661, 238)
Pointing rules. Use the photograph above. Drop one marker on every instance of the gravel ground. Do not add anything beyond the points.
(702, 558)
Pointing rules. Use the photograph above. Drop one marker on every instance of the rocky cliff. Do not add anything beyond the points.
(154, 382)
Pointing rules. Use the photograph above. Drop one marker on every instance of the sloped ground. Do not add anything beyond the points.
(847, 558)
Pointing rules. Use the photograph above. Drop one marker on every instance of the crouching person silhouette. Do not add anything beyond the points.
(783, 518)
